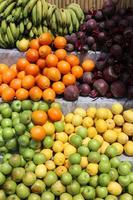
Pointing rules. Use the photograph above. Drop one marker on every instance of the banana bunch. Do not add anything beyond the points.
(31, 18)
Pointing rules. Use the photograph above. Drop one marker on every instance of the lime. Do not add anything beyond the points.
(76, 140)
(94, 157)
(83, 151)
(66, 178)
(75, 158)
(94, 145)
(75, 170)
(82, 132)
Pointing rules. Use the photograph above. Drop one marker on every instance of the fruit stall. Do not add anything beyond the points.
(66, 100)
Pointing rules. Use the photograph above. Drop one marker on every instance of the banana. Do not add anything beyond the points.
(10, 36)
(2, 42)
(7, 41)
(24, 3)
(45, 23)
(10, 19)
(45, 29)
(60, 30)
(63, 17)
(28, 8)
(19, 3)
(13, 29)
(40, 30)
(44, 8)
(39, 12)
(29, 26)
(1, 1)
(3, 26)
(68, 18)
(77, 9)
(17, 13)
(74, 18)
(26, 21)
(58, 17)
(9, 9)
(53, 23)
(4, 5)
(21, 27)
(50, 12)
(17, 33)
(65, 31)
(34, 29)
(31, 34)
(34, 15)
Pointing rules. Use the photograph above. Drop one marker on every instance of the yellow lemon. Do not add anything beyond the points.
(110, 136)
(48, 153)
(49, 128)
(69, 128)
(50, 165)
(58, 146)
(69, 117)
(101, 126)
(67, 164)
(59, 159)
(91, 112)
(102, 113)
(128, 148)
(41, 171)
(62, 136)
(92, 169)
(103, 147)
(122, 138)
(119, 148)
(85, 141)
(77, 120)
(117, 108)
(87, 122)
(68, 150)
(119, 120)
(80, 111)
(99, 138)
(110, 115)
(60, 170)
(117, 130)
(114, 188)
(84, 162)
(128, 116)
(92, 132)
(128, 129)
(110, 124)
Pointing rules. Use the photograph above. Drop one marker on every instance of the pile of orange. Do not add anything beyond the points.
(42, 74)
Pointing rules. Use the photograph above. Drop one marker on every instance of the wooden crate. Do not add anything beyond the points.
(88, 4)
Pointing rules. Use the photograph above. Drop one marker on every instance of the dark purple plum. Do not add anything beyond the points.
(85, 90)
(118, 89)
(101, 86)
(116, 51)
(109, 74)
(71, 93)
(90, 40)
(98, 15)
(88, 77)
(91, 24)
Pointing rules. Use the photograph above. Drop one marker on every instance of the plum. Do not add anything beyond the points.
(118, 89)
(101, 86)
(71, 93)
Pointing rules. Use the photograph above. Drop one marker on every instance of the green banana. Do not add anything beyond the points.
(10, 19)
(19, 3)
(50, 11)
(17, 13)
(10, 36)
(58, 17)
(34, 15)
(24, 3)
(34, 29)
(53, 23)
(17, 33)
(8, 10)
(1, 1)
(13, 29)
(77, 9)
(4, 5)
(63, 17)
(60, 30)
(45, 29)
(3, 26)
(26, 21)
(21, 27)
(74, 18)
(28, 8)
(44, 8)
(29, 26)
(2, 42)
(45, 23)
(40, 30)
(65, 31)
(31, 34)
(68, 16)
(39, 12)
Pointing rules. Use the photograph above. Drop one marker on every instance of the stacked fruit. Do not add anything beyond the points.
(68, 156)
(30, 18)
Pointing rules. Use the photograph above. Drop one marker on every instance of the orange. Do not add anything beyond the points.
(45, 71)
(22, 94)
(54, 114)
(0, 79)
(28, 82)
(32, 55)
(14, 69)
(3, 68)
(34, 44)
(51, 60)
(41, 63)
(15, 83)
(77, 71)
(58, 87)
(49, 95)
(35, 93)
(32, 69)
(61, 54)
(8, 76)
(72, 60)
(37, 133)
(64, 67)
(8, 94)
(21, 64)
(44, 51)
(21, 75)
(88, 65)
(39, 117)
(45, 39)
(54, 74)
(3, 86)
(69, 79)
(43, 82)
(60, 42)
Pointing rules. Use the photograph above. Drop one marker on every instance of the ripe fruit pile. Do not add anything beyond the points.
(74, 160)
(30, 18)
